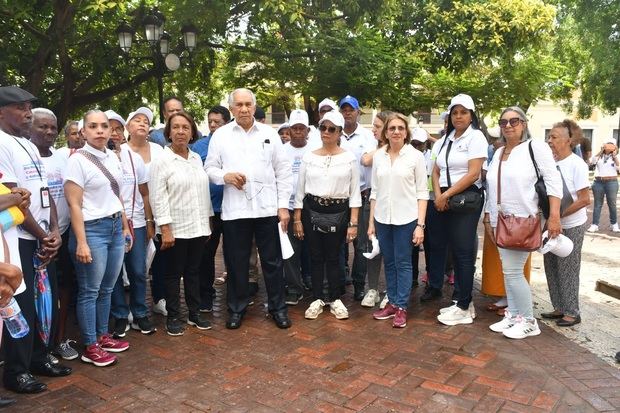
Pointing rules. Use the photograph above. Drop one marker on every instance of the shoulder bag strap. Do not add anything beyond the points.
(135, 182)
(499, 180)
(529, 145)
(104, 170)
(447, 166)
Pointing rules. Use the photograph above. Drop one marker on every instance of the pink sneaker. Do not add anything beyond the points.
(94, 354)
(400, 319)
(388, 312)
(451, 278)
(112, 345)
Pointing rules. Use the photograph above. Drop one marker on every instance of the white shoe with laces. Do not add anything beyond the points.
(160, 307)
(593, 228)
(615, 228)
(315, 308)
(339, 310)
(371, 298)
(384, 302)
(455, 316)
(446, 309)
(522, 328)
(505, 323)
(471, 309)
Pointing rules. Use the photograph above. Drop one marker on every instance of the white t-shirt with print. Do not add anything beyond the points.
(575, 173)
(471, 145)
(55, 167)
(295, 155)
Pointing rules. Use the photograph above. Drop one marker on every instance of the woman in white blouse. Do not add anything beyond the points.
(397, 211)
(457, 170)
(519, 198)
(179, 190)
(328, 191)
(605, 184)
(563, 273)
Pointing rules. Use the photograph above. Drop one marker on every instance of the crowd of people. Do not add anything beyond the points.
(122, 201)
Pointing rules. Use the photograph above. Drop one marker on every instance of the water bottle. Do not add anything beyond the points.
(128, 240)
(14, 320)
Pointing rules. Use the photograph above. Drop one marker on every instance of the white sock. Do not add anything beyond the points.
(502, 302)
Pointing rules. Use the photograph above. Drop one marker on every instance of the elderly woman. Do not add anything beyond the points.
(135, 195)
(328, 191)
(563, 273)
(456, 174)
(179, 188)
(100, 236)
(397, 211)
(605, 184)
(519, 198)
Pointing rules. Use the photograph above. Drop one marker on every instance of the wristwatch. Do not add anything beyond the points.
(352, 225)
(423, 226)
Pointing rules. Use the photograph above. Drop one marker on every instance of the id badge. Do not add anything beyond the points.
(45, 197)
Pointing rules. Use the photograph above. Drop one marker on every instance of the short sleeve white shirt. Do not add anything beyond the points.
(295, 156)
(55, 166)
(21, 164)
(604, 166)
(132, 177)
(358, 143)
(575, 173)
(156, 151)
(98, 199)
(471, 145)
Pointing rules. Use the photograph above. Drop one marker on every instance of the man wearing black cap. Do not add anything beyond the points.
(21, 165)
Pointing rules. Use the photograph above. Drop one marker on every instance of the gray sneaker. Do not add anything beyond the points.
(65, 351)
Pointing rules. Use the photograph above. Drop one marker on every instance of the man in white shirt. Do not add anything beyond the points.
(358, 141)
(247, 157)
(21, 165)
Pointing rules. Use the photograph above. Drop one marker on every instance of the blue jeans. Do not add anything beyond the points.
(396, 244)
(518, 290)
(604, 189)
(135, 264)
(96, 280)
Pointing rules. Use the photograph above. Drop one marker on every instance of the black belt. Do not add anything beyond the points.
(327, 201)
(365, 193)
(606, 178)
(115, 215)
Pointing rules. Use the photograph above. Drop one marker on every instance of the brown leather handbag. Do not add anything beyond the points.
(512, 232)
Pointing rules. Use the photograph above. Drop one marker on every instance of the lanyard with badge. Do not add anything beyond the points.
(44, 191)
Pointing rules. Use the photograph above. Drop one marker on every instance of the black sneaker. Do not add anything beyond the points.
(121, 326)
(143, 325)
(174, 327)
(197, 321)
(430, 294)
(293, 298)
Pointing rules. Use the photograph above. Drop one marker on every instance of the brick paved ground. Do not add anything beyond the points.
(339, 366)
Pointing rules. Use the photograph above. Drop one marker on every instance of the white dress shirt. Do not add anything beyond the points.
(179, 190)
(518, 178)
(358, 143)
(332, 176)
(259, 155)
(470, 145)
(134, 174)
(397, 186)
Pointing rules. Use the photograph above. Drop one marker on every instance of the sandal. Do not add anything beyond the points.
(493, 307)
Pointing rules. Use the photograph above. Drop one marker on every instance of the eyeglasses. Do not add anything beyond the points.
(396, 128)
(330, 129)
(513, 122)
(325, 109)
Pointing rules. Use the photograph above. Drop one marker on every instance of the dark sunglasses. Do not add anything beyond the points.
(330, 129)
(513, 122)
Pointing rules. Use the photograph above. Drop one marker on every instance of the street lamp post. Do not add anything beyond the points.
(159, 42)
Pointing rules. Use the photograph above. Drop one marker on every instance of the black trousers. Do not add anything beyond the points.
(292, 266)
(325, 250)
(22, 353)
(183, 259)
(238, 235)
(207, 264)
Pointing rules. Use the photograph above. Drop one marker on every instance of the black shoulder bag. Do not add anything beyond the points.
(468, 201)
(541, 190)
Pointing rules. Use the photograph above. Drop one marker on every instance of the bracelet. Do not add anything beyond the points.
(296, 222)
(486, 222)
(149, 220)
(352, 225)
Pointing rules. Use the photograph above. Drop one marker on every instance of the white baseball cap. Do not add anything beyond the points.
(80, 124)
(610, 140)
(334, 117)
(141, 111)
(444, 116)
(115, 116)
(298, 117)
(419, 134)
(464, 100)
(283, 126)
(328, 102)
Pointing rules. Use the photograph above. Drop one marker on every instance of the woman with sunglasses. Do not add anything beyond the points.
(397, 212)
(519, 198)
(457, 173)
(605, 184)
(326, 211)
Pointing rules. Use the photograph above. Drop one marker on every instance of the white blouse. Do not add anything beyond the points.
(397, 186)
(332, 176)
(470, 145)
(179, 194)
(604, 166)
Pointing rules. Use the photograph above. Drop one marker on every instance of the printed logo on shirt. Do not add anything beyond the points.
(31, 172)
(55, 185)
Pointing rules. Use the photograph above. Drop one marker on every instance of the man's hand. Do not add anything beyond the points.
(284, 217)
(25, 198)
(235, 179)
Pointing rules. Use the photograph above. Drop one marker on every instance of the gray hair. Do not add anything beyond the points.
(69, 124)
(44, 111)
(526, 131)
(231, 97)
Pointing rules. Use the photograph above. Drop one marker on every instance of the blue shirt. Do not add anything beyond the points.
(157, 136)
(201, 147)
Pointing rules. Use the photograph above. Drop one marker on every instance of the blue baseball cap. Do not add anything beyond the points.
(349, 100)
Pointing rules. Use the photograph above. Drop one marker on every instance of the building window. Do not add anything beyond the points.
(615, 135)
(587, 133)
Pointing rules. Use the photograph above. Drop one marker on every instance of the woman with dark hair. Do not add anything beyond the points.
(179, 189)
(563, 272)
(605, 185)
(457, 174)
(518, 197)
(397, 212)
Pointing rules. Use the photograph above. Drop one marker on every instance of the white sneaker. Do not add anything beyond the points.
(384, 302)
(446, 309)
(160, 307)
(339, 310)
(472, 309)
(615, 228)
(593, 228)
(522, 328)
(315, 308)
(506, 322)
(130, 318)
(455, 316)
(371, 298)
